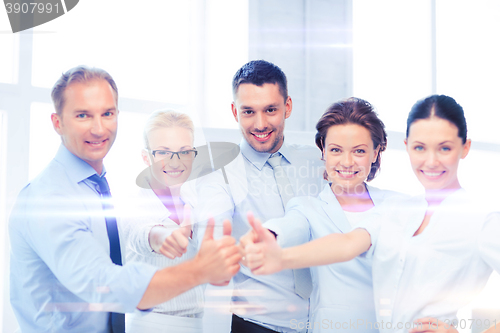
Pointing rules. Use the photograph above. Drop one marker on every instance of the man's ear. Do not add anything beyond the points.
(235, 111)
(56, 122)
(288, 107)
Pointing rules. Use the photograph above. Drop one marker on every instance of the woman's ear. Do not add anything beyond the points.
(376, 154)
(146, 157)
(466, 150)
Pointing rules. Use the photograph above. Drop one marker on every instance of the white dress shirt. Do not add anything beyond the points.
(267, 300)
(438, 271)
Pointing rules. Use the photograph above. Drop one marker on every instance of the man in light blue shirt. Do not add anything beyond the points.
(62, 276)
(261, 105)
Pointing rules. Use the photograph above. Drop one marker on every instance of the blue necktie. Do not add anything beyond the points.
(117, 320)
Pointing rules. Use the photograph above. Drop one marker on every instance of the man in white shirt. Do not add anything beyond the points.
(260, 106)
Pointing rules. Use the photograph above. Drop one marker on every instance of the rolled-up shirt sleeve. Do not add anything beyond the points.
(58, 229)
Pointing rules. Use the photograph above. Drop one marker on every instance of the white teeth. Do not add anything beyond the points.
(261, 136)
(432, 174)
(176, 173)
(343, 172)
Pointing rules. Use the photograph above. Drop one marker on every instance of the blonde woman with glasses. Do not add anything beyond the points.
(158, 211)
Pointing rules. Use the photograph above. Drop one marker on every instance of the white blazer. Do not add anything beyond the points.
(342, 296)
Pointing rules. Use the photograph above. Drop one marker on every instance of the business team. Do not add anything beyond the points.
(66, 260)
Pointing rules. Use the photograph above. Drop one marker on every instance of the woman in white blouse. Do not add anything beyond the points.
(431, 255)
(158, 211)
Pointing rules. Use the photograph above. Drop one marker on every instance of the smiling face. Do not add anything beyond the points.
(168, 171)
(348, 154)
(88, 121)
(435, 150)
(261, 112)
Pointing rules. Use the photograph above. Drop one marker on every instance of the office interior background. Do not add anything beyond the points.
(182, 55)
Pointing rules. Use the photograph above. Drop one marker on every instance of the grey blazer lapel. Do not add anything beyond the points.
(376, 195)
(334, 211)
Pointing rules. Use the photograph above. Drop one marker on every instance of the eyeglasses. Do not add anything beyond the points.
(184, 155)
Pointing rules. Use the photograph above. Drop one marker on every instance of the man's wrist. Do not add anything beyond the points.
(198, 274)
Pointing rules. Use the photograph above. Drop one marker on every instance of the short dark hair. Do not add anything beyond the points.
(258, 72)
(441, 106)
(81, 74)
(354, 111)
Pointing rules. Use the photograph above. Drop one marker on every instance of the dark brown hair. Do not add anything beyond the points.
(441, 106)
(354, 111)
(258, 72)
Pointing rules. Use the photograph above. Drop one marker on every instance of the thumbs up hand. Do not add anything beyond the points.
(262, 255)
(175, 245)
(218, 259)
(249, 238)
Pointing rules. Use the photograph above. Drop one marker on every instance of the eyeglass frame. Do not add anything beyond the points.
(153, 152)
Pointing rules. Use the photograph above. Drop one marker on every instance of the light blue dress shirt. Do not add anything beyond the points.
(268, 300)
(62, 278)
(439, 271)
(342, 296)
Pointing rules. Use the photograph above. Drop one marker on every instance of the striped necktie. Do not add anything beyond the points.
(284, 187)
(302, 277)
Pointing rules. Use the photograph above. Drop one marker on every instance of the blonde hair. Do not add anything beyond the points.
(166, 119)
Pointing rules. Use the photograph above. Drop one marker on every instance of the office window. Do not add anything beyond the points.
(149, 59)
(392, 56)
(467, 62)
(44, 141)
(9, 58)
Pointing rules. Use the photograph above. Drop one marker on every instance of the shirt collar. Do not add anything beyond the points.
(259, 159)
(76, 168)
(285, 152)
